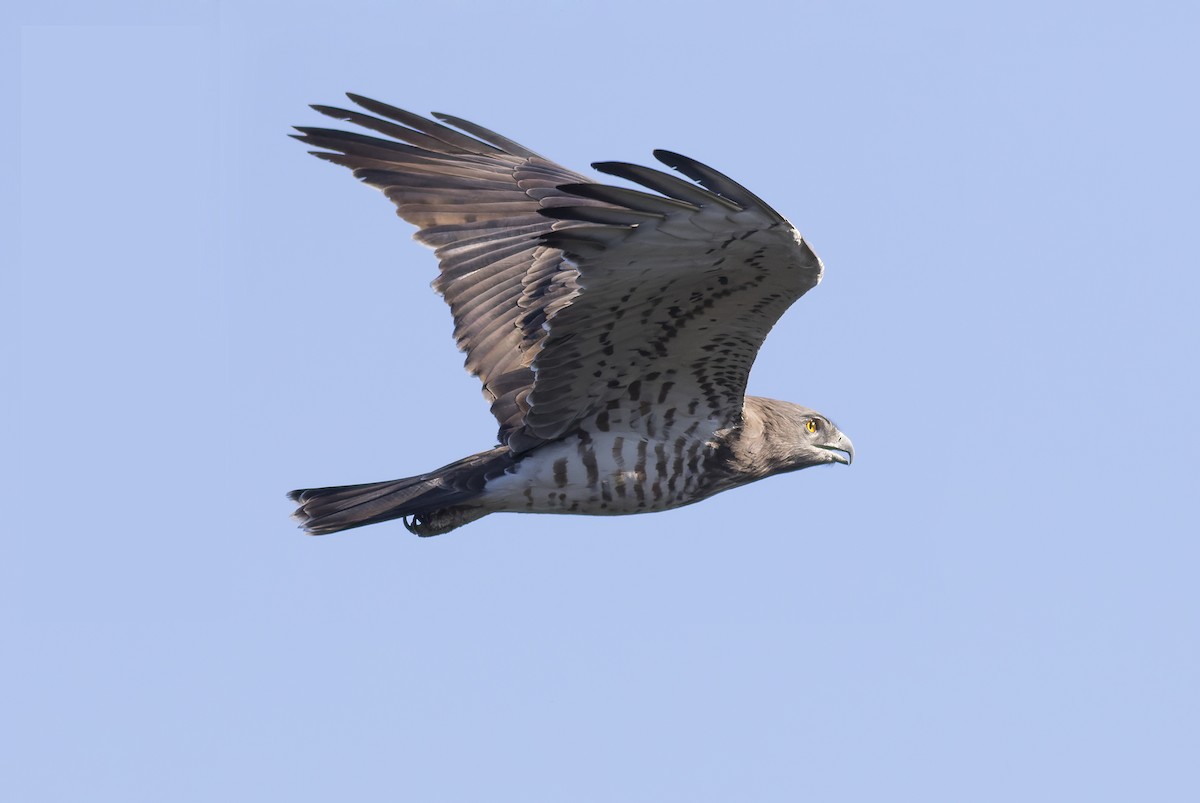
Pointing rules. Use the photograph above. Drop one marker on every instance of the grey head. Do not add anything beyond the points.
(777, 436)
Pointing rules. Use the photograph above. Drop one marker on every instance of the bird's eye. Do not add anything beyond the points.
(811, 425)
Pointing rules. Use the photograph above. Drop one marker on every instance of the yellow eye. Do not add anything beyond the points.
(811, 425)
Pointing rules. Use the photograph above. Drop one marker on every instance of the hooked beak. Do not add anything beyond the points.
(840, 449)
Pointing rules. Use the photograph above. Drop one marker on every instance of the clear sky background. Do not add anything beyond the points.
(997, 602)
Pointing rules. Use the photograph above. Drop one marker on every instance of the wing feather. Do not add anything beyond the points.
(629, 199)
(601, 214)
(717, 182)
(503, 143)
(665, 183)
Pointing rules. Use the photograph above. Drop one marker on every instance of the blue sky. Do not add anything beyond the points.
(996, 602)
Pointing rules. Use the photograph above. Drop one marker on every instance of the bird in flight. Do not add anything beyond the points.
(613, 329)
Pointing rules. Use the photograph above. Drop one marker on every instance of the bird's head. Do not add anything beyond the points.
(781, 436)
(819, 441)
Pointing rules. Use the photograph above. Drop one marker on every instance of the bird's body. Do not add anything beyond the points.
(622, 470)
(597, 472)
(613, 329)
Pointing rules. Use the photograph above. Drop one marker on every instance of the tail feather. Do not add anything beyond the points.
(436, 502)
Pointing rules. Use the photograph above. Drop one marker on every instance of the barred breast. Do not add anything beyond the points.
(604, 473)
(632, 457)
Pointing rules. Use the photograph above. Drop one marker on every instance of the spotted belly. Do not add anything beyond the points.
(605, 473)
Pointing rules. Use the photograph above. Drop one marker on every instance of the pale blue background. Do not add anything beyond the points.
(997, 602)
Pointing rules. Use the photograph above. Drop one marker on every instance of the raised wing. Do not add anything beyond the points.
(475, 200)
(677, 293)
(571, 297)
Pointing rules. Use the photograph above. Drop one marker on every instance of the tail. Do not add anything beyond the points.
(437, 502)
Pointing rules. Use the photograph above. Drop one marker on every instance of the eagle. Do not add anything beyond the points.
(613, 329)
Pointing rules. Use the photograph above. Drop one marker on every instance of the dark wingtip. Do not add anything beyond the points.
(329, 111)
(613, 168)
(675, 161)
